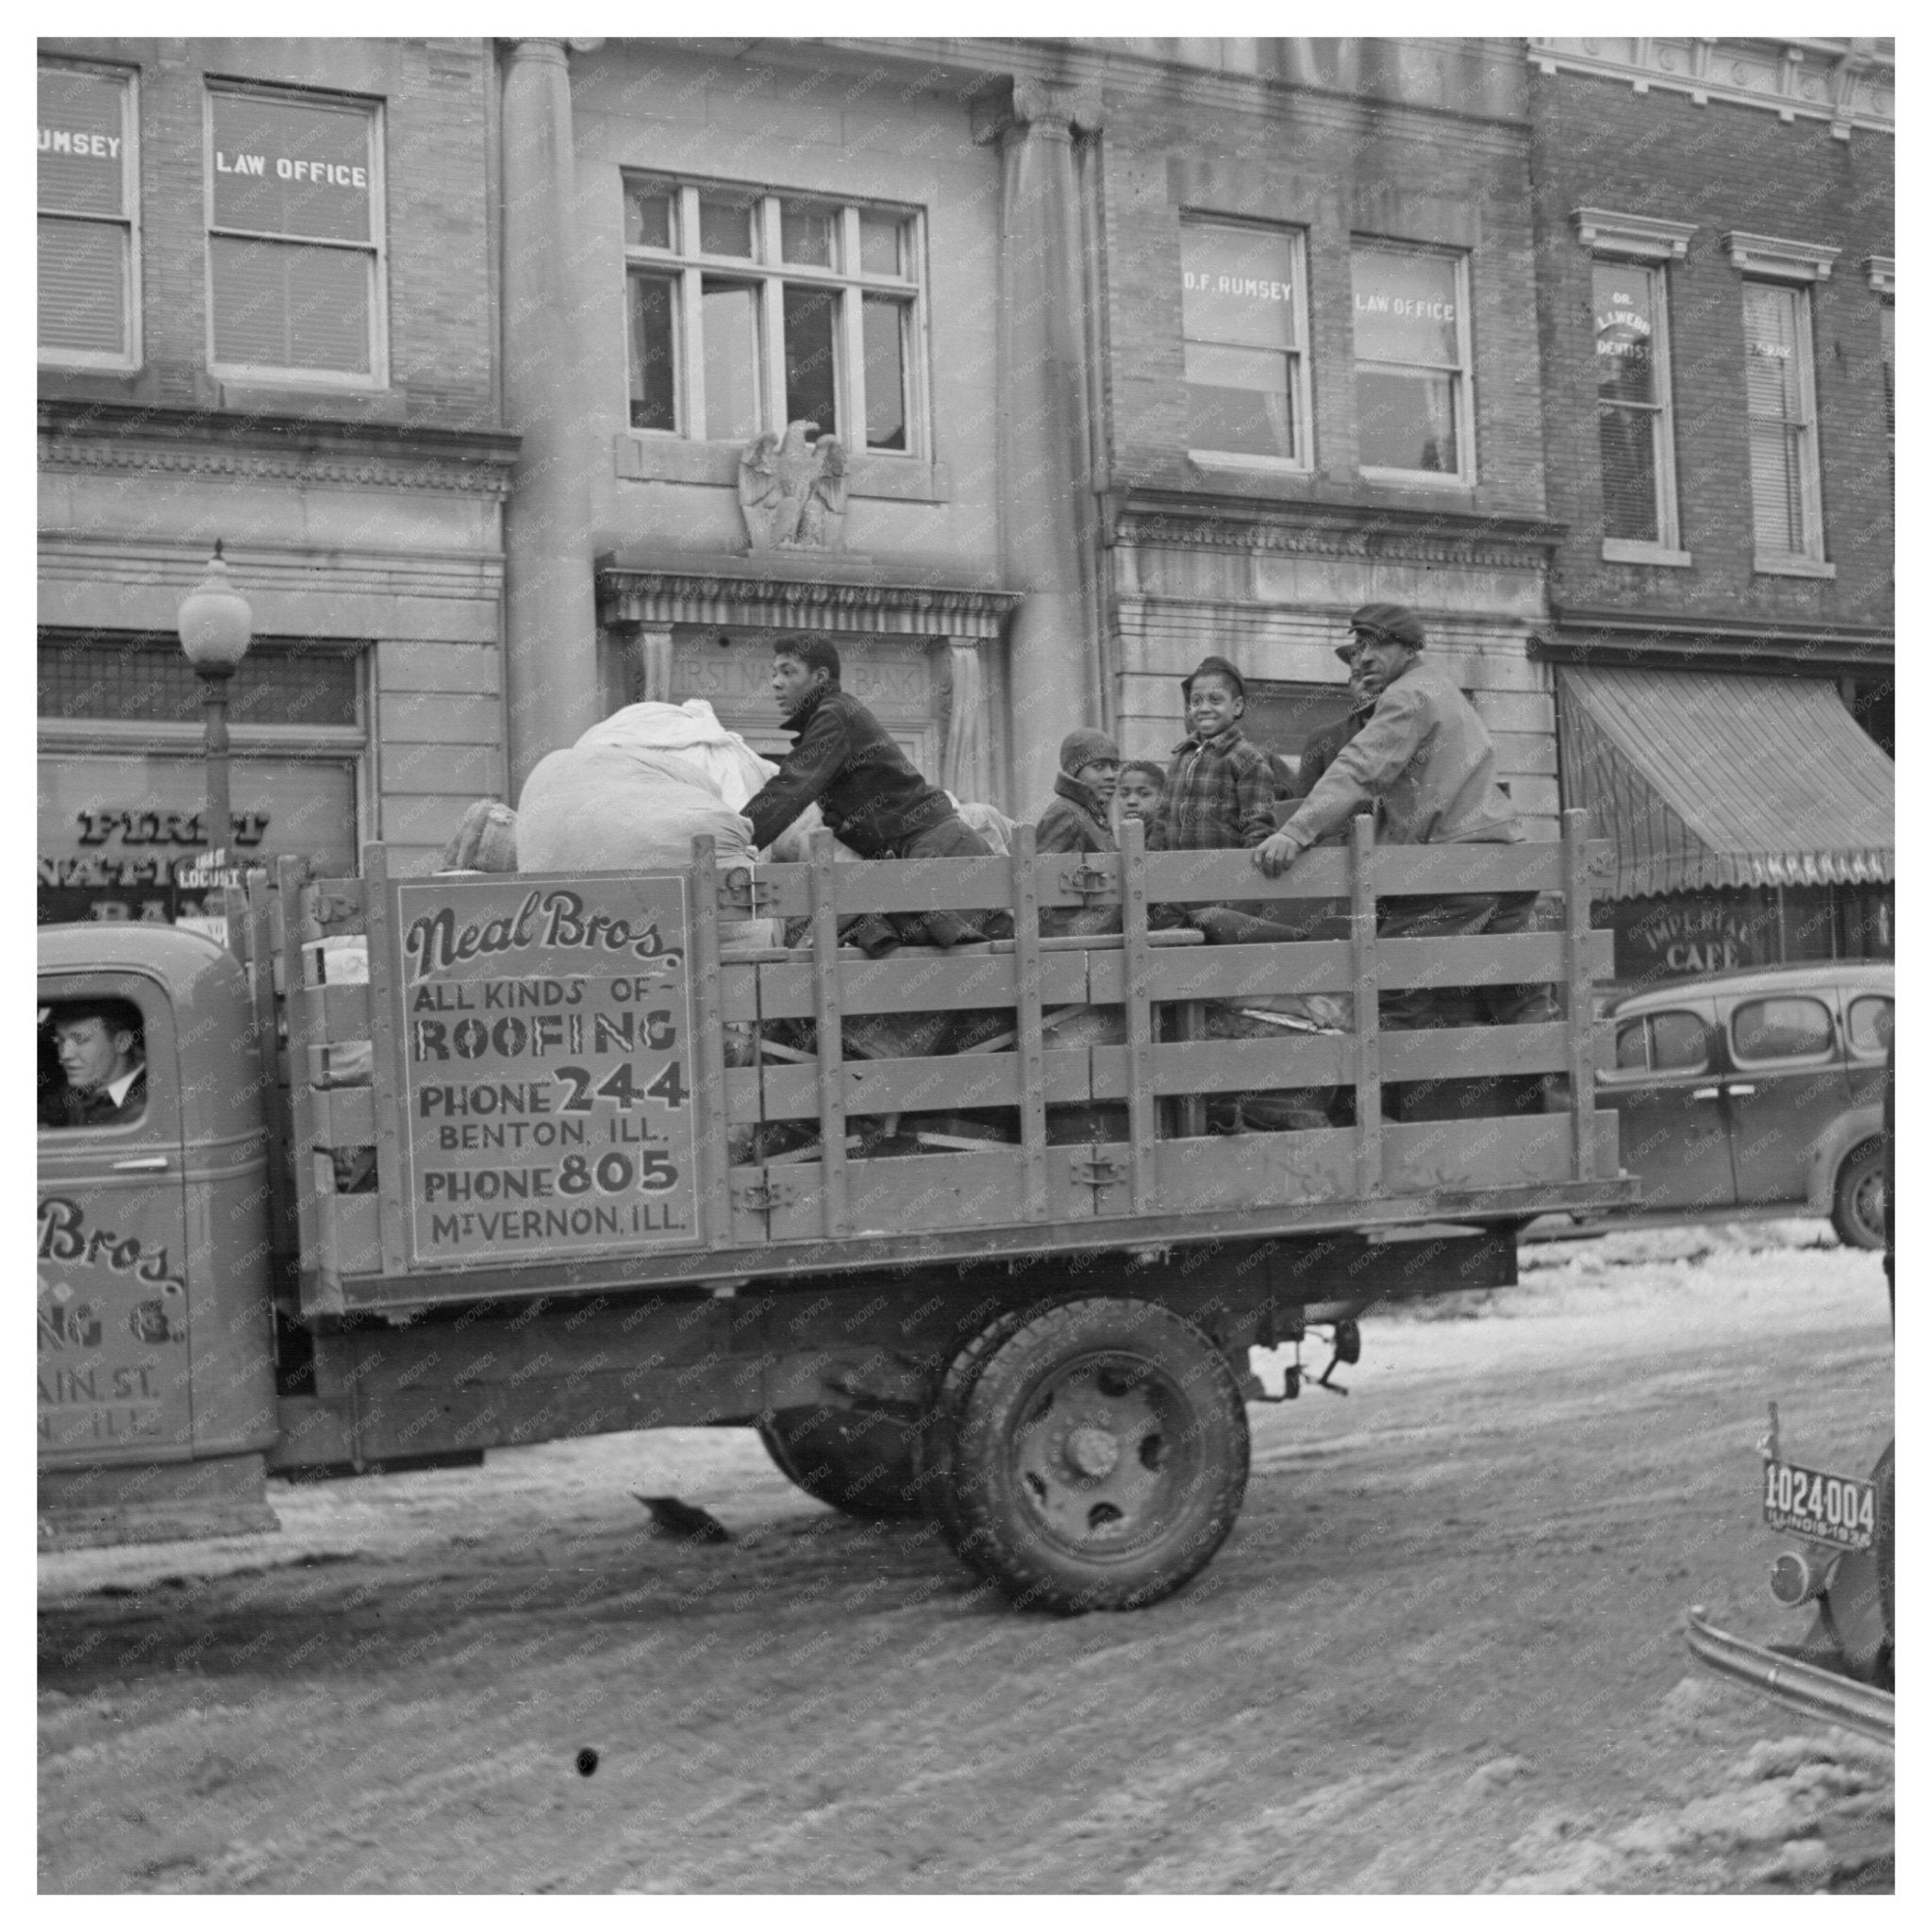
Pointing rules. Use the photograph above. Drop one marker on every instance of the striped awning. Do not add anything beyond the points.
(1705, 779)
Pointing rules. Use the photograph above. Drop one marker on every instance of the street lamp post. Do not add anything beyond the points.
(216, 626)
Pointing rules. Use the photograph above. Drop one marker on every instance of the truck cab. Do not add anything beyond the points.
(157, 1386)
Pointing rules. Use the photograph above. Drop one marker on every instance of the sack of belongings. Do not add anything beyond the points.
(634, 792)
(691, 734)
(602, 808)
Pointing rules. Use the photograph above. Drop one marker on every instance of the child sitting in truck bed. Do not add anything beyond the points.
(1137, 791)
(1077, 820)
(1220, 791)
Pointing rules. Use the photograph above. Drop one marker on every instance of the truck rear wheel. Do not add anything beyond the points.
(1099, 1456)
(937, 1437)
(862, 1461)
(1858, 1201)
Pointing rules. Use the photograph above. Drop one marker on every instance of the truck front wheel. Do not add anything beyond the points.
(1099, 1456)
(862, 1461)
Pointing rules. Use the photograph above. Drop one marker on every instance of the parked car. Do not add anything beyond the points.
(1758, 1091)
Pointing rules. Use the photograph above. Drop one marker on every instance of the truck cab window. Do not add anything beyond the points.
(91, 1064)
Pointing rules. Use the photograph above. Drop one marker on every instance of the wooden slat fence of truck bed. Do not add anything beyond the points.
(1051, 1138)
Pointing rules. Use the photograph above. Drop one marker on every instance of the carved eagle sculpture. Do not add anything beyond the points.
(792, 490)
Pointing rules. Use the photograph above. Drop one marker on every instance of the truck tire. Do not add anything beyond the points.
(1099, 1456)
(936, 1439)
(1858, 1201)
(862, 1461)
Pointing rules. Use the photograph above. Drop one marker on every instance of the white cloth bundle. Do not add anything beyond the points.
(691, 734)
(598, 808)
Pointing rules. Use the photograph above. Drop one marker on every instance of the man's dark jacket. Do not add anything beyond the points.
(97, 1109)
(870, 791)
(1317, 756)
(1074, 822)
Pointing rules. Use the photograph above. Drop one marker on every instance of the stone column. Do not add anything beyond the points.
(967, 771)
(550, 661)
(1048, 519)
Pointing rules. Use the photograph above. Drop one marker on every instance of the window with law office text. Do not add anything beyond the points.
(295, 250)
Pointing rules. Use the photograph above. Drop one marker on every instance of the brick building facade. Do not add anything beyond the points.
(1386, 173)
(1714, 247)
(268, 315)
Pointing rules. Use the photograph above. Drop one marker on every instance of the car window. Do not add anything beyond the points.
(1868, 1026)
(1676, 1043)
(1786, 1028)
(1630, 1053)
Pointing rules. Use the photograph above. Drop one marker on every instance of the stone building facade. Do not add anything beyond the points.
(1201, 345)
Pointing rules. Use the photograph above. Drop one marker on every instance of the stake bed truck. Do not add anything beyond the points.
(431, 1165)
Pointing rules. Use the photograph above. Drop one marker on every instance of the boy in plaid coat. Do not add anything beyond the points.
(1219, 787)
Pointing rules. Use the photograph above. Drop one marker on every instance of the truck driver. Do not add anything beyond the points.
(99, 1047)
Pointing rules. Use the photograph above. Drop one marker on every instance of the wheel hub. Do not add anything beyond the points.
(1093, 1452)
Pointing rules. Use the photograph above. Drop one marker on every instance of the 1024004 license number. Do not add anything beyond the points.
(1837, 1510)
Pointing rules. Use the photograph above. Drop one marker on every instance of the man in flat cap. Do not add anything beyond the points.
(1423, 757)
(1425, 763)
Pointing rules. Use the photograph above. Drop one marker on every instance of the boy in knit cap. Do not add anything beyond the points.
(1077, 820)
(1219, 787)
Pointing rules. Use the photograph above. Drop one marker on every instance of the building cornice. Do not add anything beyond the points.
(1173, 520)
(125, 439)
(1776, 256)
(649, 592)
(1847, 83)
(1642, 236)
(1098, 66)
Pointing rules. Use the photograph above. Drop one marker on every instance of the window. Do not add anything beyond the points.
(1785, 1028)
(1783, 422)
(1633, 404)
(123, 783)
(747, 311)
(1411, 363)
(1243, 322)
(1663, 1043)
(89, 194)
(1868, 1026)
(295, 238)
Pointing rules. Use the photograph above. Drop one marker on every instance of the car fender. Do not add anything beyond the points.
(1860, 1123)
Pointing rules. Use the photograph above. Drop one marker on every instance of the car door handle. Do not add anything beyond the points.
(1746, 1089)
(146, 1163)
(1705, 1092)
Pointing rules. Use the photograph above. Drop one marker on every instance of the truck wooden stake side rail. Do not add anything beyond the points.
(431, 1165)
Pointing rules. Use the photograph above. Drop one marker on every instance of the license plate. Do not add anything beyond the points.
(1836, 1510)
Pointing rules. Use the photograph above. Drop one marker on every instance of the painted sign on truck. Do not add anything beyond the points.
(546, 1036)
